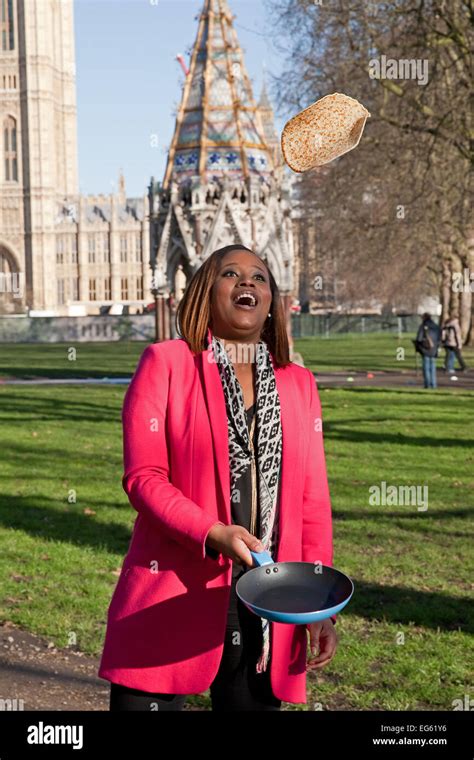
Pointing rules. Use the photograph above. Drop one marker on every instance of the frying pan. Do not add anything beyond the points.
(293, 592)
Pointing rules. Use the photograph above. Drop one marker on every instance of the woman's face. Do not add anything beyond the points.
(240, 272)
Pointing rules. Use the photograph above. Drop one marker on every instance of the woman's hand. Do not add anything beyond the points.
(322, 633)
(234, 541)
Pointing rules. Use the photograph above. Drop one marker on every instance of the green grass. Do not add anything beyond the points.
(60, 552)
(347, 352)
(53, 360)
(353, 352)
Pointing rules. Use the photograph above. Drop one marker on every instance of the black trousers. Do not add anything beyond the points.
(237, 685)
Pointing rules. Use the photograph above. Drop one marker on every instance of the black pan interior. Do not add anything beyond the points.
(293, 587)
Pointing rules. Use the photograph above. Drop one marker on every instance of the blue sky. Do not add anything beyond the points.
(129, 82)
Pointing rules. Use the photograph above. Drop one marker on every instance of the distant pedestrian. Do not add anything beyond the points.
(427, 343)
(451, 340)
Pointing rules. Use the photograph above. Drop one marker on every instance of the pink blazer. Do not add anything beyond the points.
(165, 629)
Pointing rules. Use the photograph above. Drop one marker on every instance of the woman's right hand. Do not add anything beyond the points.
(234, 541)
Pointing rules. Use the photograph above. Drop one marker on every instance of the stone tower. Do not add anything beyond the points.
(39, 156)
(223, 181)
(61, 252)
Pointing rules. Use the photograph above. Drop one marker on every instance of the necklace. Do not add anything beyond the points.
(253, 512)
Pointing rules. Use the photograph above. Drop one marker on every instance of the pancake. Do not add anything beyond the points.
(325, 130)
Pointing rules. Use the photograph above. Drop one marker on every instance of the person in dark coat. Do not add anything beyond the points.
(427, 343)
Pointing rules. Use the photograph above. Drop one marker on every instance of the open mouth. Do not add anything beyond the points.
(245, 300)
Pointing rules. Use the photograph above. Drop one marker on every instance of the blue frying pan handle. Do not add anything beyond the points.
(261, 558)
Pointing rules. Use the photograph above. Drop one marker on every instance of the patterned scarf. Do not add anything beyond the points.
(269, 448)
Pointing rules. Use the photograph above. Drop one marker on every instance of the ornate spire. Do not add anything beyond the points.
(264, 102)
(219, 131)
(268, 122)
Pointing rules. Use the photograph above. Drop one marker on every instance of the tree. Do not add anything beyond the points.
(394, 213)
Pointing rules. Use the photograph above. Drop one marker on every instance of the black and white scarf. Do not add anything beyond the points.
(269, 447)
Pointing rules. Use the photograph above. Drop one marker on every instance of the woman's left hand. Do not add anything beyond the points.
(322, 634)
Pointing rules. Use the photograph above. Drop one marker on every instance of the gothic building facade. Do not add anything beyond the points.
(62, 252)
(224, 181)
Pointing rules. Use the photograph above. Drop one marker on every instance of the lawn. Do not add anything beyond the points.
(354, 352)
(346, 352)
(405, 639)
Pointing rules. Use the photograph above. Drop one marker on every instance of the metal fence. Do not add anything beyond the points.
(326, 325)
(78, 329)
(141, 327)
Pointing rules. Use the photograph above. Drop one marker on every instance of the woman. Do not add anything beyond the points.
(197, 410)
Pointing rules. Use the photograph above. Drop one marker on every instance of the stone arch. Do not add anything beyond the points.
(177, 255)
(181, 277)
(184, 267)
(273, 263)
(11, 282)
(8, 259)
(226, 236)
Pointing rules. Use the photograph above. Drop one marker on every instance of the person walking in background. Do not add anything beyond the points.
(451, 340)
(427, 343)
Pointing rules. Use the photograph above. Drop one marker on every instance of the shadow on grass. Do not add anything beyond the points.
(394, 604)
(436, 514)
(32, 515)
(406, 522)
(53, 373)
(49, 407)
(33, 360)
(419, 393)
(403, 606)
(359, 436)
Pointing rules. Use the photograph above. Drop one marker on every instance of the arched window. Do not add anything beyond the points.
(123, 248)
(11, 283)
(6, 25)
(5, 273)
(9, 148)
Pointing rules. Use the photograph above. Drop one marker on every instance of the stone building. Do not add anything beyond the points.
(62, 252)
(224, 181)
